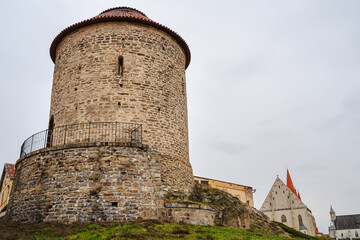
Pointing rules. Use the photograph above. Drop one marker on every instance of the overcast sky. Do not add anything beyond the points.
(271, 85)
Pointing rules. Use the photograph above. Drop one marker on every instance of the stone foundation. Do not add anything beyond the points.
(190, 214)
(82, 183)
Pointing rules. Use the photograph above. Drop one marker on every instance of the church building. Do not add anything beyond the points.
(344, 226)
(283, 204)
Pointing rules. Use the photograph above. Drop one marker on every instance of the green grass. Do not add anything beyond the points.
(151, 230)
(297, 234)
(138, 230)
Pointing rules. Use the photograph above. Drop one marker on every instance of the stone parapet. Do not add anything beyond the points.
(190, 213)
(95, 183)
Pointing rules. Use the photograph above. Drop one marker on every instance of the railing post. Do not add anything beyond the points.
(65, 134)
(45, 139)
(115, 131)
(89, 130)
(32, 139)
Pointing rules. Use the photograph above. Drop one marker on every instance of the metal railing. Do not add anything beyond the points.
(129, 134)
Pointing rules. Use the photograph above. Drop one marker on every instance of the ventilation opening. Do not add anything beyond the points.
(75, 89)
(114, 204)
(120, 66)
(119, 103)
(158, 109)
(121, 85)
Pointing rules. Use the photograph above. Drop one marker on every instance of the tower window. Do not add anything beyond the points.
(120, 66)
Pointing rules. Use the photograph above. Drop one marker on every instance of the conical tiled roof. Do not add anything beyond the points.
(120, 14)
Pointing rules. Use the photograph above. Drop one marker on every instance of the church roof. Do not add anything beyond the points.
(289, 183)
(347, 222)
(120, 14)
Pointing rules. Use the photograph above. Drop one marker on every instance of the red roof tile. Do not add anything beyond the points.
(10, 169)
(120, 14)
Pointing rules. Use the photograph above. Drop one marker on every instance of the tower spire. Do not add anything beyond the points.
(289, 182)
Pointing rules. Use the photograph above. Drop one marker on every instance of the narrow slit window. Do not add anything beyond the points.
(121, 66)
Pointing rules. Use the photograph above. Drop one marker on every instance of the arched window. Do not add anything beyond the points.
(300, 221)
(283, 218)
(356, 234)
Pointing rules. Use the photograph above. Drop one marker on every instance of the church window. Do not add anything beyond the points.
(356, 234)
(283, 218)
(120, 66)
(300, 220)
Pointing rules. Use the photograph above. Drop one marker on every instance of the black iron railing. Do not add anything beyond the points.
(129, 134)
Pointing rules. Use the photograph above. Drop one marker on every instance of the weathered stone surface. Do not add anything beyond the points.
(151, 91)
(94, 183)
(190, 214)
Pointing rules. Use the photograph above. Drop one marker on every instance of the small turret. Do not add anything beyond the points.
(332, 224)
(332, 214)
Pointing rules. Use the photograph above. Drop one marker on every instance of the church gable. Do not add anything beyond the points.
(280, 197)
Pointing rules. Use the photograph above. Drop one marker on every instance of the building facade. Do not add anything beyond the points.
(283, 204)
(243, 193)
(117, 140)
(6, 182)
(344, 226)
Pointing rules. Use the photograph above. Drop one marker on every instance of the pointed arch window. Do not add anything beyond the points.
(283, 218)
(300, 221)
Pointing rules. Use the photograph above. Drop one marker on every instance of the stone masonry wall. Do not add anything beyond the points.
(190, 214)
(81, 183)
(151, 91)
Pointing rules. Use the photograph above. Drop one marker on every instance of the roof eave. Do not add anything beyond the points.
(91, 21)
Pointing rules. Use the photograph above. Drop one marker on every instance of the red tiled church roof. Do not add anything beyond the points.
(289, 183)
(120, 14)
(10, 169)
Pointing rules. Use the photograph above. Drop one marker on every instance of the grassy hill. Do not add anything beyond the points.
(138, 230)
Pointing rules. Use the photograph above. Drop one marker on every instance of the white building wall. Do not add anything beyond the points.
(347, 234)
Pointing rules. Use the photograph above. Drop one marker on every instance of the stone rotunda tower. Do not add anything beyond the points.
(117, 140)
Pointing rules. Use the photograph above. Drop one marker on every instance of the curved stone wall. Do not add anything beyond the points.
(82, 183)
(151, 91)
